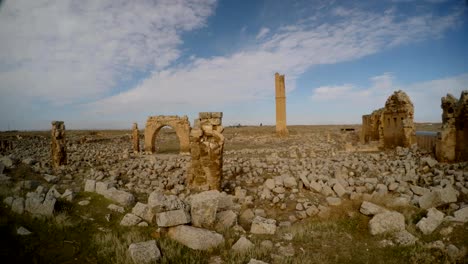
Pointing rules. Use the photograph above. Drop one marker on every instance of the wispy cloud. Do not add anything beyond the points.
(425, 96)
(247, 75)
(262, 33)
(67, 51)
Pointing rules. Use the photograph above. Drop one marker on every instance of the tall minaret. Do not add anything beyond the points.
(281, 129)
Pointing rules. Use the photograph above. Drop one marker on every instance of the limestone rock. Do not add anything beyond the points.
(368, 208)
(262, 225)
(130, 220)
(18, 205)
(143, 211)
(116, 208)
(290, 182)
(90, 186)
(387, 222)
(428, 224)
(195, 238)
(122, 197)
(159, 202)
(23, 231)
(461, 215)
(144, 252)
(333, 201)
(339, 190)
(404, 238)
(203, 208)
(243, 244)
(254, 261)
(172, 218)
(269, 184)
(225, 219)
(102, 187)
(438, 197)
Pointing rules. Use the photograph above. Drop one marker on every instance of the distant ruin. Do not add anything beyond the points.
(58, 144)
(452, 142)
(281, 129)
(6, 146)
(206, 149)
(181, 126)
(135, 138)
(392, 125)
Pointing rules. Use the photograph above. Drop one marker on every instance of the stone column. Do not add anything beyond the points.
(58, 144)
(135, 138)
(281, 129)
(206, 149)
(447, 138)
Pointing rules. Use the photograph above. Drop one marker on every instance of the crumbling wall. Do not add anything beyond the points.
(181, 126)
(452, 142)
(206, 149)
(135, 138)
(372, 129)
(392, 125)
(58, 144)
(281, 129)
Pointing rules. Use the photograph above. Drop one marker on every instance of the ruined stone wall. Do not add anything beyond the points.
(135, 138)
(206, 149)
(181, 126)
(371, 126)
(6, 146)
(398, 118)
(281, 129)
(453, 139)
(58, 144)
(392, 125)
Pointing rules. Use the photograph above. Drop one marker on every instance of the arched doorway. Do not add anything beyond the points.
(180, 125)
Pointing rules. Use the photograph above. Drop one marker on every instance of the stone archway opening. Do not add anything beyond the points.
(180, 126)
(166, 141)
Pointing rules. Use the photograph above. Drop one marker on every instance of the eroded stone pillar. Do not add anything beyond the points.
(281, 129)
(58, 144)
(135, 138)
(206, 149)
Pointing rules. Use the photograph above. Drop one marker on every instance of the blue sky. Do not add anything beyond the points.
(109, 63)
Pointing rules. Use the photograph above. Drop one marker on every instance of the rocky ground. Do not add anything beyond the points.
(316, 197)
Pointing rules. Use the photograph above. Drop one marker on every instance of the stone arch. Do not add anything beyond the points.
(181, 125)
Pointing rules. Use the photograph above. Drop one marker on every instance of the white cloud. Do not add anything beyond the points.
(247, 75)
(66, 51)
(359, 101)
(262, 33)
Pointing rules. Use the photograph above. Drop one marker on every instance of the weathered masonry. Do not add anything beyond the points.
(135, 138)
(281, 129)
(452, 142)
(181, 126)
(58, 144)
(206, 149)
(392, 125)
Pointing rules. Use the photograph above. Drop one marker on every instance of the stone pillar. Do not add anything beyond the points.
(135, 138)
(447, 138)
(281, 129)
(58, 144)
(206, 149)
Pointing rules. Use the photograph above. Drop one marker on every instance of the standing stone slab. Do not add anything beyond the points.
(195, 238)
(204, 207)
(135, 138)
(90, 186)
(58, 144)
(144, 252)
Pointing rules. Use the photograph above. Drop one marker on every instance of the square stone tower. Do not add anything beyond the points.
(281, 129)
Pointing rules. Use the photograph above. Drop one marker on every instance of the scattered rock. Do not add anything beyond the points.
(404, 238)
(461, 215)
(333, 201)
(243, 244)
(116, 208)
(90, 186)
(23, 231)
(387, 222)
(143, 211)
(428, 224)
(203, 210)
(172, 218)
(254, 261)
(17, 206)
(122, 197)
(438, 197)
(368, 208)
(130, 220)
(144, 252)
(195, 238)
(262, 225)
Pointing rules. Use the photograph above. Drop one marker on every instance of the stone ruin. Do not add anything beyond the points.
(392, 125)
(206, 149)
(181, 126)
(452, 141)
(135, 138)
(58, 144)
(281, 129)
(6, 146)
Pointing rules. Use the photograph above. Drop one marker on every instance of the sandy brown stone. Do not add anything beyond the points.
(281, 129)
(58, 144)
(181, 125)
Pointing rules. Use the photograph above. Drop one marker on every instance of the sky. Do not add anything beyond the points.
(106, 64)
